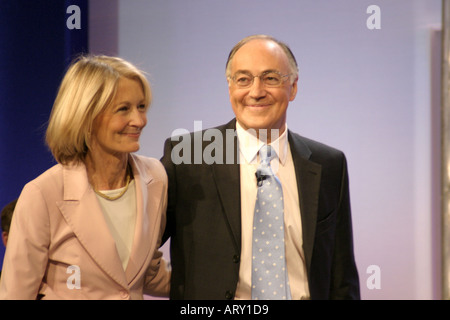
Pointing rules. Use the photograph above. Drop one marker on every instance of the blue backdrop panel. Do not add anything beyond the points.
(35, 48)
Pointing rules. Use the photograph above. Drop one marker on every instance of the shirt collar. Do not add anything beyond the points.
(249, 144)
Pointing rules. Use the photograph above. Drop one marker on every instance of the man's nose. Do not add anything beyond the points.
(257, 89)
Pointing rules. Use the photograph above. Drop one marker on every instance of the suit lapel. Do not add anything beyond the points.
(227, 179)
(308, 176)
(228, 187)
(82, 212)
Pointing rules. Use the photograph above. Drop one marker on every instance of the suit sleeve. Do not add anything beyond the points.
(345, 281)
(26, 254)
(166, 160)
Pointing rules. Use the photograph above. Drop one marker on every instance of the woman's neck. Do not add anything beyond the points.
(107, 172)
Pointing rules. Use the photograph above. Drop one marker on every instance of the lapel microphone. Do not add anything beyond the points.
(260, 177)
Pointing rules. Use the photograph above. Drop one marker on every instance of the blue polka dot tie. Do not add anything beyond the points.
(269, 274)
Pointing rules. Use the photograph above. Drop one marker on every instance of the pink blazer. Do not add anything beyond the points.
(60, 246)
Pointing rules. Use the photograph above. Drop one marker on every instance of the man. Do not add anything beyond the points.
(6, 216)
(211, 204)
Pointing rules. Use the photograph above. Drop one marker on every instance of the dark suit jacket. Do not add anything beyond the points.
(204, 218)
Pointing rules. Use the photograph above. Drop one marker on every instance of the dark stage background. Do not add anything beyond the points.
(38, 39)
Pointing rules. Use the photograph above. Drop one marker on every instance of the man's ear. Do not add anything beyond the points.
(4, 237)
(294, 87)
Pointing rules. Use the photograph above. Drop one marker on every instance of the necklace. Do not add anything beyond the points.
(105, 196)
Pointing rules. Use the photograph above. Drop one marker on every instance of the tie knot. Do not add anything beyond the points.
(266, 153)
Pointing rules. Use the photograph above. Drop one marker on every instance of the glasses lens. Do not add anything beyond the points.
(271, 79)
(243, 80)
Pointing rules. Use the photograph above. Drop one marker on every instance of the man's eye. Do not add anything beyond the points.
(242, 79)
(272, 79)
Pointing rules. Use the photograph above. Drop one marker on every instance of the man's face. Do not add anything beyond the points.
(259, 106)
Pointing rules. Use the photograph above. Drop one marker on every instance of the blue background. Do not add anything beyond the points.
(35, 49)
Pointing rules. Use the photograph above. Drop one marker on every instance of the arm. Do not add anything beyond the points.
(157, 280)
(345, 281)
(26, 254)
(166, 160)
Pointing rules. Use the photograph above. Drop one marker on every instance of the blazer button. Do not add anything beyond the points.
(228, 295)
(124, 294)
(236, 258)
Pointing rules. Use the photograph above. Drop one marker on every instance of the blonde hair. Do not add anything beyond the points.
(87, 89)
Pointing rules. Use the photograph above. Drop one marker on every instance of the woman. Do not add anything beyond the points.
(90, 227)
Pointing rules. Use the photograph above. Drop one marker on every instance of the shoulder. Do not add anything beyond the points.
(39, 194)
(49, 179)
(314, 150)
(183, 134)
(150, 166)
(185, 147)
(147, 162)
(315, 145)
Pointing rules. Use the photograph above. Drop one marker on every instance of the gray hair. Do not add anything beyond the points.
(291, 58)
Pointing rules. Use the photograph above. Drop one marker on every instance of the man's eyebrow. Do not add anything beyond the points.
(265, 71)
(242, 71)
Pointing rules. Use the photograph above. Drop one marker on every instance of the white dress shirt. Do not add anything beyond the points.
(283, 167)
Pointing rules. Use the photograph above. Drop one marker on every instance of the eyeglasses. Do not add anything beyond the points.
(271, 79)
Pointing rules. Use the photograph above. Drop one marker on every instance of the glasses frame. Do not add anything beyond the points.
(283, 78)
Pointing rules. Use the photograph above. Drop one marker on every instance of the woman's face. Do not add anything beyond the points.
(118, 128)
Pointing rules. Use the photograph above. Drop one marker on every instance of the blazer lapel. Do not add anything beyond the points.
(82, 212)
(148, 199)
(308, 176)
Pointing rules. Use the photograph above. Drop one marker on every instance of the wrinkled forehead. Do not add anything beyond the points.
(259, 56)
